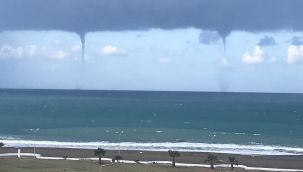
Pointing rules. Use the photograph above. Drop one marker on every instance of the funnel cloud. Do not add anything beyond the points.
(82, 16)
(152, 44)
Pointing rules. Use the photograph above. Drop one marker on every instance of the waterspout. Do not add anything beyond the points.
(82, 38)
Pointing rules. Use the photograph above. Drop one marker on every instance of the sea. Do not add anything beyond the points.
(238, 123)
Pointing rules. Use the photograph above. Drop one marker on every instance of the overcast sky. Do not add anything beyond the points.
(150, 53)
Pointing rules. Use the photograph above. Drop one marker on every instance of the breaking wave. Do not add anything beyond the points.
(163, 146)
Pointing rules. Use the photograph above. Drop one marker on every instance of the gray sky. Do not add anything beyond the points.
(185, 45)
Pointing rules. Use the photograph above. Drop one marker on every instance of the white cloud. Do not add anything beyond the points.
(164, 60)
(257, 56)
(32, 50)
(61, 54)
(224, 62)
(294, 54)
(110, 50)
(76, 47)
(8, 51)
(35, 51)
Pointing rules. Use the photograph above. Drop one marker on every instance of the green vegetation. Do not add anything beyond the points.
(212, 159)
(173, 155)
(36, 165)
(233, 161)
(99, 152)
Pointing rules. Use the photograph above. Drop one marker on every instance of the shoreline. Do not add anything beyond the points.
(239, 149)
(263, 161)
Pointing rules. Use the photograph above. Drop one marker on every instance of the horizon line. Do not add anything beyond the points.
(171, 91)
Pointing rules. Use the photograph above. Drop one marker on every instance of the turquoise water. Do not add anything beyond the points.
(158, 117)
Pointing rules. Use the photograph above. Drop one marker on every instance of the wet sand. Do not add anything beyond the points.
(286, 162)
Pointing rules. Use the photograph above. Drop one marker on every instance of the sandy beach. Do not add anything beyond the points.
(284, 162)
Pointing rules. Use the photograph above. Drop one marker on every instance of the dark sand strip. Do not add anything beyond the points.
(286, 162)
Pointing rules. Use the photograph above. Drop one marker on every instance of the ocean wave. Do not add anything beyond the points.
(239, 133)
(159, 131)
(257, 134)
(164, 146)
(8, 138)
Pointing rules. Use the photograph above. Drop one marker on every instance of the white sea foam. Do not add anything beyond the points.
(180, 146)
(239, 133)
(257, 134)
(8, 138)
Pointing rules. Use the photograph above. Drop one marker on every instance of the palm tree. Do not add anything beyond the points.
(212, 159)
(173, 155)
(233, 161)
(99, 152)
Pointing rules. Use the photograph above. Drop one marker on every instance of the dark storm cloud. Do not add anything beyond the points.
(267, 41)
(96, 15)
(209, 37)
(297, 40)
